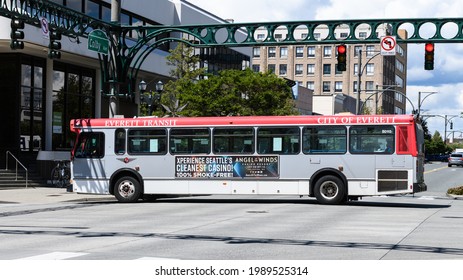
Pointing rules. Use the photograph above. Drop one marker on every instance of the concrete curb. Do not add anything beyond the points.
(455, 196)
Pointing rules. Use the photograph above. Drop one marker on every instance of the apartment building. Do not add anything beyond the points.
(383, 78)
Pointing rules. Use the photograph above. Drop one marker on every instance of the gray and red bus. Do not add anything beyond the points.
(332, 158)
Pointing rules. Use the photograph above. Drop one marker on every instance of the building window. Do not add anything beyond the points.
(299, 69)
(355, 86)
(311, 51)
(310, 69)
(284, 52)
(343, 35)
(260, 37)
(327, 51)
(256, 52)
(356, 69)
(256, 67)
(370, 69)
(362, 35)
(326, 69)
(73, 97)
(311, 85)
(370, 50)
(369, 85)
(32, 123)
(299, 51)
(316, 36)
(271, 52)
(283, 69)
(326, 86)
(338, 86)
(271, 68)
(399, 81)
(357, 50)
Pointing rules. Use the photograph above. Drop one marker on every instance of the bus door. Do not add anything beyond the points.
(88, 162)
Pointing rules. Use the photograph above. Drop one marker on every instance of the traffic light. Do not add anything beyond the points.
(55, 45)
(17, 34)
(429, 56)
(342, 59)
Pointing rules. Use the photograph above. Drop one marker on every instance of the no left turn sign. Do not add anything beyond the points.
(388, 44)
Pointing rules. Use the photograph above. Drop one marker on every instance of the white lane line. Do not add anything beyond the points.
(55, 256)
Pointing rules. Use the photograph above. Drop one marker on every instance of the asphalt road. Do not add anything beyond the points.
(52, 224)
(426, 226)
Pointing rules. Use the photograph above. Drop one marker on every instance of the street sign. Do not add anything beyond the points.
(98, 41)
(388, 44)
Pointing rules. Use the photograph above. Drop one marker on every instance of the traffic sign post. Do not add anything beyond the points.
(388, 45)
(98, 41)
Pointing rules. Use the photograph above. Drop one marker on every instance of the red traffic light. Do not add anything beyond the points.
(341, 49)
(429, 47)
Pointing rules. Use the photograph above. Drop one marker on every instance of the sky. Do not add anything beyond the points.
(446, 79)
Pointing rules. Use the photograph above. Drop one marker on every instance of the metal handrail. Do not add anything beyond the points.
(17, 162)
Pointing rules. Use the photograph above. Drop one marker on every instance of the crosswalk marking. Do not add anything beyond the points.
(55, 256)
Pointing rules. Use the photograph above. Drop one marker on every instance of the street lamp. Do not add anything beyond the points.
(420, 101)
(150, 97)
(359, 77)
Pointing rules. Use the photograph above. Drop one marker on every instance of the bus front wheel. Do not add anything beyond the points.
(127, 189)
(329, 190)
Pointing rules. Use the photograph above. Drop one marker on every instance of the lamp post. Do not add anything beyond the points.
(389, 88)
(359, 77)
(447, 120)
(420, 101)
(151, 97)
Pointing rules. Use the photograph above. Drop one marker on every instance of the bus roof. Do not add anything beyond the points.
(241, 120)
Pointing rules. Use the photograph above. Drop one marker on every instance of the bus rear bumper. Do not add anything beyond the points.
(419, 187)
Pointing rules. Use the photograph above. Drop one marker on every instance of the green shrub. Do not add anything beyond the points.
(456, 190)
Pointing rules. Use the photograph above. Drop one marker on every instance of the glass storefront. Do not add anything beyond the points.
(31, 128)
(73, 97)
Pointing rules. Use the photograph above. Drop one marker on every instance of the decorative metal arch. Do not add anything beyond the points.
(127, 54)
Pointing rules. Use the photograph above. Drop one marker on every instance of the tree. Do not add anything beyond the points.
(239, 92)
(435, 145)
(185, 71)
(230, 92)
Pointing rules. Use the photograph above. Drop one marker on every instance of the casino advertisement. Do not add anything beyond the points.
(226, 166)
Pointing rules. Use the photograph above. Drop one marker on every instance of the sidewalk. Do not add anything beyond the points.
(40, 195)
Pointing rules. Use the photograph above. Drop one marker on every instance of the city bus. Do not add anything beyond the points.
(332, 158)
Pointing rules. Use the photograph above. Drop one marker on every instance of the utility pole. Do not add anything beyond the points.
(114, 47)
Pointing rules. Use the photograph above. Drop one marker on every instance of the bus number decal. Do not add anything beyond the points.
(226, 166)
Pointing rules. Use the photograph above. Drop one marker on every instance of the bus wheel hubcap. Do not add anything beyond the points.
(329, 189)
(126, 189)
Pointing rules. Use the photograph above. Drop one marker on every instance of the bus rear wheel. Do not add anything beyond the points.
(127, 189)
(330, 190)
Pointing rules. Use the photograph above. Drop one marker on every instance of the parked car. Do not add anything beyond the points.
(437, 157)
(455, 159)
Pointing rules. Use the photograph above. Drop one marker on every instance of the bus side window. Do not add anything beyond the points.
(119, 141)
(372, 139)
(278, 140)
(233, 140)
